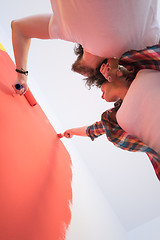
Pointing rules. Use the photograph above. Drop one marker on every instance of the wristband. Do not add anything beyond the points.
(22, 71)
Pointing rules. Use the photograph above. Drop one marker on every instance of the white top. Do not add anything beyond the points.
(106, 28)
(139, 114)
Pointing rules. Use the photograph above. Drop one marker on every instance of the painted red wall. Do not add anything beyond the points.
(35, 168)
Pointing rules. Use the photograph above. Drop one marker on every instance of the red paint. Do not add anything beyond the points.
(35, 168)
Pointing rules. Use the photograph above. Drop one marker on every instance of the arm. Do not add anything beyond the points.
(93, 131)
(22, 32)
(81, 131)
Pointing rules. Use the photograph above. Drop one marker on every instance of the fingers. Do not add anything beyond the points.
(20, 88)
(105, 71)
(21, 91)
(66, 134)
(105, 68)
(109, 78)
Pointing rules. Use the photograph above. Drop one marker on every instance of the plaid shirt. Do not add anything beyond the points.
(144, 59)
(148, 58)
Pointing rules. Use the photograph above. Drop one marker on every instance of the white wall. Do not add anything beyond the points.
(92, 216)
(148, 231)
(6, 41)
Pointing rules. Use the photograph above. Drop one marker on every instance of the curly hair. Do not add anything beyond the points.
(95, 78)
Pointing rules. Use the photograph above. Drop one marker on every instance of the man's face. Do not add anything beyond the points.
(81, 67)
(87, 64)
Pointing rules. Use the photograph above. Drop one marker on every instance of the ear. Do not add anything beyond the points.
(119, 73)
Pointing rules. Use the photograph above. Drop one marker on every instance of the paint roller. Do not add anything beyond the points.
(28, 95)
(60, 135)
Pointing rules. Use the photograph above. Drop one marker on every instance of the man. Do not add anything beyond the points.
(133, 124)
(104, 28)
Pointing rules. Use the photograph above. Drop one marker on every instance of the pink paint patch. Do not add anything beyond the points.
(35, 168)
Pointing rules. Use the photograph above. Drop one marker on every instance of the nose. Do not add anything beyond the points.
(102, 86)
(102, 92)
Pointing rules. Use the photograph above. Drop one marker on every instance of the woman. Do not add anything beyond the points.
(133, 124)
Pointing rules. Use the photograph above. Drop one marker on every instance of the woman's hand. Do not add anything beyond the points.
(74, 131)
(68, 133)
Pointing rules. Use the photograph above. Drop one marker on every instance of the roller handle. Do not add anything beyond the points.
(18, 86)
(28, 95)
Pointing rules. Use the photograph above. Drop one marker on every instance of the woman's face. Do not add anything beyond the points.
(110, 92)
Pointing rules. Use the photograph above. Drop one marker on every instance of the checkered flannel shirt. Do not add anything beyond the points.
(144, 59)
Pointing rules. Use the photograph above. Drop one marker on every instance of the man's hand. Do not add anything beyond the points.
(20, 86)
(23, 30)
(105, 71)
(109, 70)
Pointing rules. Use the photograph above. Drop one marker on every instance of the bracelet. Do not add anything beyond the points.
(22, 71)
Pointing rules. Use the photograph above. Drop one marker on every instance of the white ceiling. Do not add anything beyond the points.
(126, 179)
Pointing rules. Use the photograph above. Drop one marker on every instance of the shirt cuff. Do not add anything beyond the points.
(95, 130)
